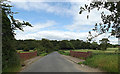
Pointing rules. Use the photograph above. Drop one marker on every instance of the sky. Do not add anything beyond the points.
(56, 20)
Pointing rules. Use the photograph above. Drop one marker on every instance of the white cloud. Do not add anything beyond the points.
(39, 26)
(112, 39)
(80, 22)
(42, 6)
(54, 35)
(62, 35)
(50, 0)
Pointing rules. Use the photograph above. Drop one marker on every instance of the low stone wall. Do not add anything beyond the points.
(80, 54)
(25, 56)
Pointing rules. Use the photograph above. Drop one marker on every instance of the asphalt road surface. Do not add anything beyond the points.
(53, 62)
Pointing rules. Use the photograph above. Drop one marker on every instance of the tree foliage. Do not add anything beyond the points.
(48, 46)
(15, 24)
(66, 45)
(104, 43)
(94, 46)
(9, 24)
(9, 57)
(110, 22)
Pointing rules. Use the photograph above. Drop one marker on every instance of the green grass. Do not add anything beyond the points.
(43, 54)
(64, 52)
(86, 50)
(80, 62)
(12, 69)
(105, 62)
(112, 49)
(109, 50)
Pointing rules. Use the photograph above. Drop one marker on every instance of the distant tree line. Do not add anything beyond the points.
(48, 46)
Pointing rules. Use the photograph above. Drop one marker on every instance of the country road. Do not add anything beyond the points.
(53, 62)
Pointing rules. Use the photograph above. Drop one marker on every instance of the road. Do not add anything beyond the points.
(53, 62)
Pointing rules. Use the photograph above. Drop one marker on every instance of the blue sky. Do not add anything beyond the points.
(55, 20)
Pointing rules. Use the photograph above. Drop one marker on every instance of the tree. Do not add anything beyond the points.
(55, 44)
(40, 49)
(47, 45)
(86, 45)
(110, 45)
(66, 45)
(110, 23)
(104, 43)
(77, 44)
(94, 45)
(9, 55)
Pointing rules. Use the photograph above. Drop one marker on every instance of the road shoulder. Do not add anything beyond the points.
(82, 67)
(30, 61)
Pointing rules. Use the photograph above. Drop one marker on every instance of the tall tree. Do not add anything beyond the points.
(9, 55)
(104, 43)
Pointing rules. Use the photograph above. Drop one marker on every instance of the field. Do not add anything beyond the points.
(106, 62)
(109, 50)
(21, 51)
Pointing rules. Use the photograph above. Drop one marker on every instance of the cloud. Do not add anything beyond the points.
(112, 39)
(39, 26)
(62, 35)
(50, 0)
(80, 23)
(54, 35)
(56, 8)
(36, 27)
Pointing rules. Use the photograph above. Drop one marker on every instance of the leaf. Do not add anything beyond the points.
(89, 9)
(96, 24)
(16, 12)
(93, 29)
(87, 16)
(86, 6)
(89, 32)
(80, 12)
(98, 8)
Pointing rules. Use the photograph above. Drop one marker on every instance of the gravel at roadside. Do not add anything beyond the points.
(30, 61)
(82, 67)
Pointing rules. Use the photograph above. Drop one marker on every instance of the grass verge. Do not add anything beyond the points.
(12, 69)
(43, 54)
(63, 52)
(105, 62)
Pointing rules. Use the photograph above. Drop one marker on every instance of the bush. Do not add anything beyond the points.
(80, 62)
(40, 50)
(9, 56)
